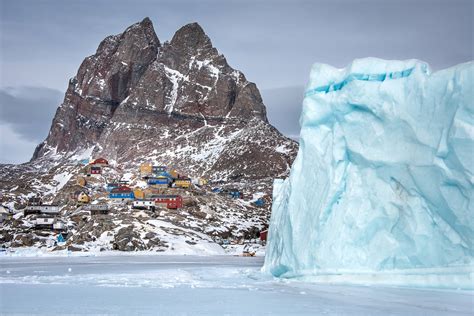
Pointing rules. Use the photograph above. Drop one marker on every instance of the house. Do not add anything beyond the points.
(138, 193)
(184, 183)
(259, 202)
(122, 193)
(151, 192)
(83, 198)
(174, 174)
(235, 194)
(96, 209)
(161, 181)
(146, 169)
(95, 170)
(58, 225)
(169, 201)
(44, 221)
(34, 201)
(43, 208)
(202, 182)
(263, 235)
(100, 162)
(111, 186)
(158, 169)
(144, 204)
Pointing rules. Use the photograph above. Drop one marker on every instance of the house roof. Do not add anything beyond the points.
(121, 189)
(166, 196)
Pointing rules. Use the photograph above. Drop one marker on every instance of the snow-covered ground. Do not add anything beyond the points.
(190, 285)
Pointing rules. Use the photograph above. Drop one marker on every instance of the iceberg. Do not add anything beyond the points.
(381, 191)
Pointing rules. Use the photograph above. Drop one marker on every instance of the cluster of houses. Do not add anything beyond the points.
(157, 178)
(47, 215)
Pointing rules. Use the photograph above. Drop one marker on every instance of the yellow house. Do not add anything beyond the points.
(138, 193)
(146, 169)
(202, 181)
(184, 183)
(174, 174)
(83, 198)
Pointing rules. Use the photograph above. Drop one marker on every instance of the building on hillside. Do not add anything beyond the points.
(83, 198)
(97, 209)
(138, 193)
(160, 181)
(111, 186)
(146, 170)
(44, 221)
(259, 202)
(263, 236)
(202, 182)
(151, 192)
(59, 225)
(122, 193)
(169, 201)
(184, 183)
(100, 162)
(174, 174)
(235, 194)
(42, 209)
(157, 170)
(144, 204)
(95, 170)
(33, 201)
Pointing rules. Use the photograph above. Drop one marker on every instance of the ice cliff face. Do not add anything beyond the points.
(382, 187)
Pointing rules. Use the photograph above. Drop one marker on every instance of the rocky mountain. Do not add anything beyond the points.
(180, 102)
(175, 103)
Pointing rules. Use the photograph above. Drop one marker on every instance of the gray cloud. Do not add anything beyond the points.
(28, 111)
(284, 109)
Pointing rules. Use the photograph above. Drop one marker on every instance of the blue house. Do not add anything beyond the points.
(259, 202)
(235, 194)
(158, 181)
(122, 193)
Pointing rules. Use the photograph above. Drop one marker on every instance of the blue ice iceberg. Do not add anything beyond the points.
(382, 188)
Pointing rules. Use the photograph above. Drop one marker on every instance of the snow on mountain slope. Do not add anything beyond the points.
(176, 104)
(382, 188)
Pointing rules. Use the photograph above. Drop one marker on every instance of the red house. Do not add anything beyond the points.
(100, 162)
(96, 170)
(170, 201)
(263, 235)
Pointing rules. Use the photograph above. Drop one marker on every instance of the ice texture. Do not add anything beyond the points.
(382, 188)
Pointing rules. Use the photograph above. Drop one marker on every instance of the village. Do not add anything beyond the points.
(100, 187)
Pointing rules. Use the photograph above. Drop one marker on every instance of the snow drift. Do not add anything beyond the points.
(382, 188)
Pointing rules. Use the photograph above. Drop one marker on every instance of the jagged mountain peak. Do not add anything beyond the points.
(190, 38)
(180, 103)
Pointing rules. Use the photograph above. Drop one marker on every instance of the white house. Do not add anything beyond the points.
(44, 222)
(143, 204)
(45, 209)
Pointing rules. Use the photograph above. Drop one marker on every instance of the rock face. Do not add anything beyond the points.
(176, 103)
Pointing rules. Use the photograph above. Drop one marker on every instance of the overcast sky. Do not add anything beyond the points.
(274, 43)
